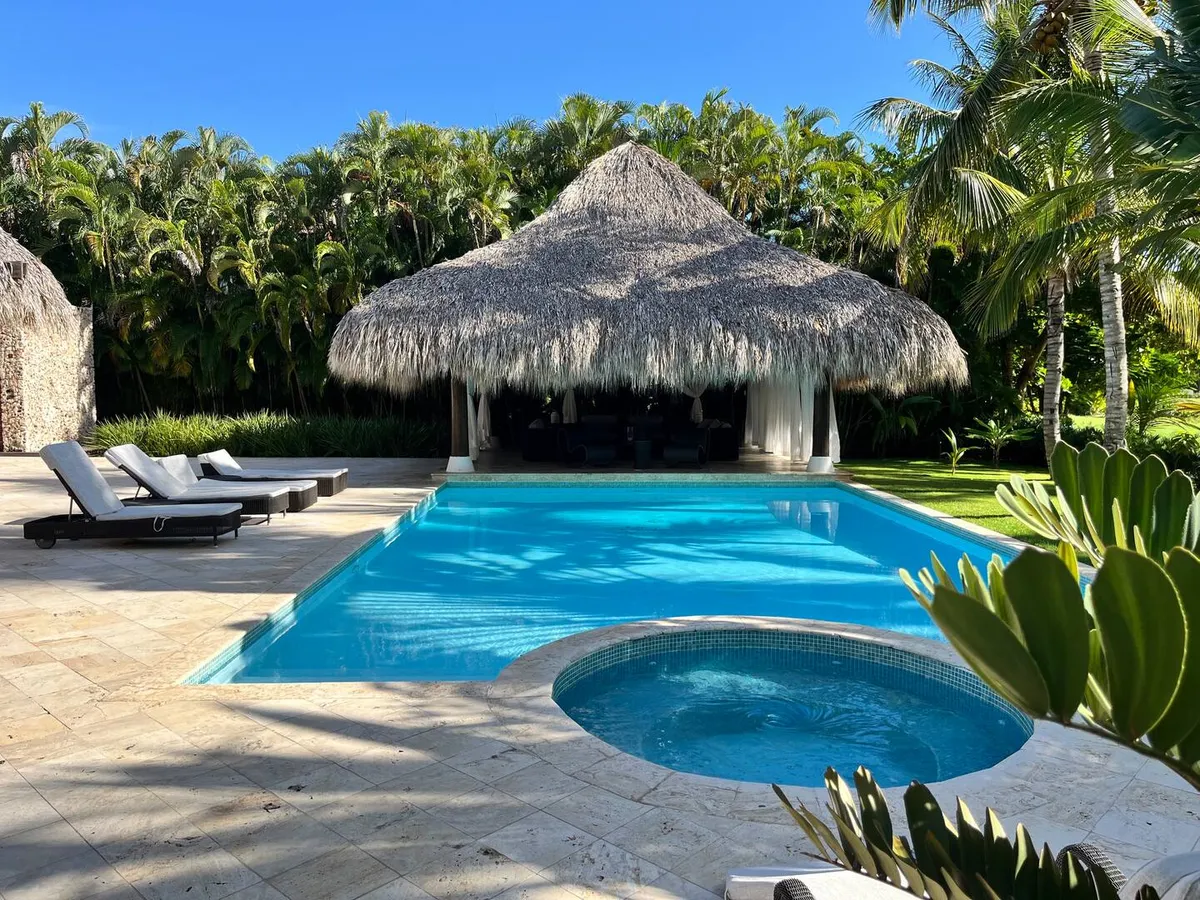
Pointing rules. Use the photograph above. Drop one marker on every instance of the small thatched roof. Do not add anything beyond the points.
(636, 276)
(29, 293)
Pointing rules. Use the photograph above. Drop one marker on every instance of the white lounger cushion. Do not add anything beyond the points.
(825, 882)
(156, 479)
(179, 466)
(227, 465)
(172, 511)
(82, 478)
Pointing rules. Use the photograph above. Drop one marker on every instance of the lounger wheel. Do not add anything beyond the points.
(45, 543)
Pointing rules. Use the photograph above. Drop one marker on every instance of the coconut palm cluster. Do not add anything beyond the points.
(1051, 32)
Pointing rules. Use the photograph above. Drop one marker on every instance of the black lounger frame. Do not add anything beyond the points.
(48, 529)
(327, 486)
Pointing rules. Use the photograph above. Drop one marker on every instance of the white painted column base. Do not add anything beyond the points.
(460, 465)
(820, 465)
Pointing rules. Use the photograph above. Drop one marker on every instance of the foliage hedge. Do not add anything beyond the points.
(270, 434)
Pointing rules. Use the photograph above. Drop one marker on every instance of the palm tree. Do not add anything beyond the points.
(963, 140)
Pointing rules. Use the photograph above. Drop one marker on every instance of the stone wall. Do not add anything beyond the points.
(47, 384)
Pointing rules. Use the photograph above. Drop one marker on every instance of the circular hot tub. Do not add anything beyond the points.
(782, 706)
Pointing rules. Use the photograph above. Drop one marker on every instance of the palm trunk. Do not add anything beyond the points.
(1052, 392)
(1112, 313)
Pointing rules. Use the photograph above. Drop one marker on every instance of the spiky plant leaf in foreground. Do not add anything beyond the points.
(940, 858)
(1104, 500)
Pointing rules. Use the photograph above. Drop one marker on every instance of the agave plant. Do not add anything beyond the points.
(1120, 660)
(1105, 500)
(940, 859)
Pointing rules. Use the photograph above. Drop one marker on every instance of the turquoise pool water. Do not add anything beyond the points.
(486, 573)
(784, 713)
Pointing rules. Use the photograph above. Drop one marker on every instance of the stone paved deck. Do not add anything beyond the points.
(116, 782)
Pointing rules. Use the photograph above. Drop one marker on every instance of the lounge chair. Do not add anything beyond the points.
(687, 446)
(257, 499)
(219, 464)
(301, 494)
(103, 515)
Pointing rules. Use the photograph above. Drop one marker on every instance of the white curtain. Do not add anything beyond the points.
(570, 413)
(694, 391)
(779, 420)
(472, 427)
(483, 422)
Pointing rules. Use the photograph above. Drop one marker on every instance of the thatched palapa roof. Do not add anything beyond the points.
(636, 276)
(29, 293)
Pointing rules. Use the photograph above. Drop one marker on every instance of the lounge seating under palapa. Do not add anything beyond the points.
(262, 499)
(103, 515)
(219, 464)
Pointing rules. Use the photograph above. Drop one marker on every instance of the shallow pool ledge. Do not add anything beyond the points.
(522, 700)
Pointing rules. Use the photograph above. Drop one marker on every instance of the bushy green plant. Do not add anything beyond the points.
(941, 859)
(269, 434)
(996, 435)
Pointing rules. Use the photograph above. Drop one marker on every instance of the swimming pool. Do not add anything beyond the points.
(766, 705)
(485, 572)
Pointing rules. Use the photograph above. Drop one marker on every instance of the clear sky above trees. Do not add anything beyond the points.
(287, 76)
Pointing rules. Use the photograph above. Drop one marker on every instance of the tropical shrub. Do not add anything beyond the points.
(1105, 500)
(941, 859)
(270, 434)
(996, 435)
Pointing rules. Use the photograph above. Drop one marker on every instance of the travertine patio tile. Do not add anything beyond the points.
(539, 785)
(472, 872)
(209, 788)
(672, 887)
(603, 870)
(23, 808)
(482, 811)
(625, 775)
(44, 678)
(1127, 857)
(539, 840)
(183, 866)
(338, 740)
(328, 784)
(267, 758)
(81, 875)
(29, 728)
(260, 891)
(341, 875)
(663, 836)
(1155, 817)
(446, 741)
(37, 848)
(385, 763)
(596, 811)
(402, 837)
(491, 761)
(400, 889)
(268, 836)
(432, 785)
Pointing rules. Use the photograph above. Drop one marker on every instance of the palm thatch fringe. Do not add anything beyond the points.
(635, 276)
(29, 294)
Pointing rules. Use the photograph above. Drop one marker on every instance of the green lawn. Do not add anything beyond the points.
(968, 494)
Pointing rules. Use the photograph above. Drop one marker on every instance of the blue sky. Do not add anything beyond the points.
(287, 76)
